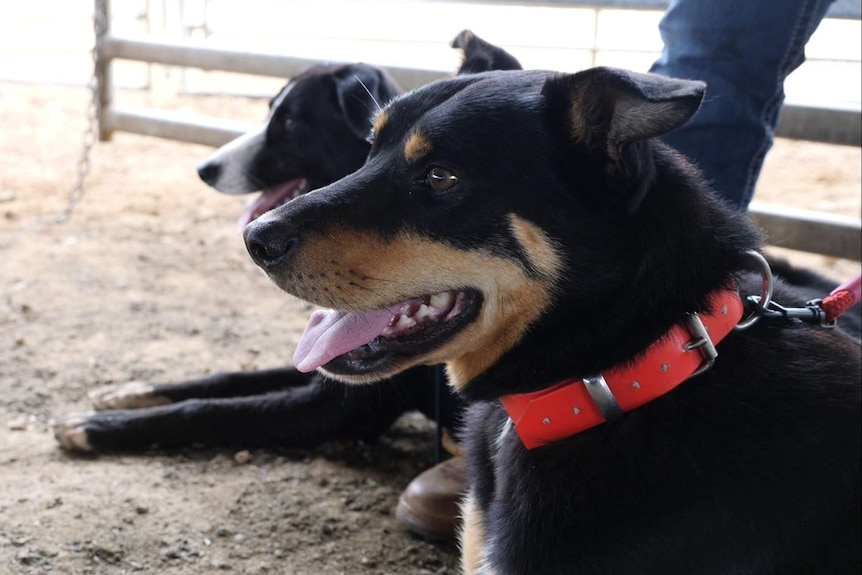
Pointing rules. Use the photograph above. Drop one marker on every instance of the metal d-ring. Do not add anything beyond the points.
(765, 297)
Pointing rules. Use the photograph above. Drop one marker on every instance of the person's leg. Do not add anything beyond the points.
(743, 50)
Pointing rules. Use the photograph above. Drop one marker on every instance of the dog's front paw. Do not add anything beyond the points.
(132, 395)
(71, 432)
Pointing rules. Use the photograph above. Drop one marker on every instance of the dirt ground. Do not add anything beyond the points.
(149, 280)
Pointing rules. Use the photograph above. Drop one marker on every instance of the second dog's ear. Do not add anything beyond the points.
(361, 91)
(481, 56)
(617, 107)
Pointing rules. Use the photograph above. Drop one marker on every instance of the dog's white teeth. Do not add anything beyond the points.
(423, 312)
(400, 323)
(442, 300)
(420, 311)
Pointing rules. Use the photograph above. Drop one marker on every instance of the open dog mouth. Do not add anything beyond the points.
(353, 343)
(271, 198)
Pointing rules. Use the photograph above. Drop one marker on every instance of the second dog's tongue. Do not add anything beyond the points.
(331, 333)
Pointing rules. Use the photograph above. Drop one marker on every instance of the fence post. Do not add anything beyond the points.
(102, 65)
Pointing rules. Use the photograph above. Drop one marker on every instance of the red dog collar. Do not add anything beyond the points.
(573, 406)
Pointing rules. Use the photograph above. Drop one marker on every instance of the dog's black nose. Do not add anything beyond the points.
(209, 172)
(269, 243)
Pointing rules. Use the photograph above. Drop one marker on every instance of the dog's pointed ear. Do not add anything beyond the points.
(362, 90)
(481, 56)
(616, 107)
(615, 113)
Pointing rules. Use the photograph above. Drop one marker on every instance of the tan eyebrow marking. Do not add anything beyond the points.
(380, 119)
(417, 145)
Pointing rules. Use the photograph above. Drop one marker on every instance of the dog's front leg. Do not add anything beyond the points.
(472, 540)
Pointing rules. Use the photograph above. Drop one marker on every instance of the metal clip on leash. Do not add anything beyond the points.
(823, 312)
(811, 313)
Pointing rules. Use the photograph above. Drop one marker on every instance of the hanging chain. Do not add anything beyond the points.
(94, 110)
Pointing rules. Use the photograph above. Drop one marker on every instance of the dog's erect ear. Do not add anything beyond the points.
(361, 91)
(615, 113)
(481, 56)
(617, 107)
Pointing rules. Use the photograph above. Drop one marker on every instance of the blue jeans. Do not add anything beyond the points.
(743, 50)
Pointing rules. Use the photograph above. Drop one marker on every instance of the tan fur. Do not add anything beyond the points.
(541, 250)
(417, 146)
(472, 539)
(580, 127)
(348, 269)
(380, 119)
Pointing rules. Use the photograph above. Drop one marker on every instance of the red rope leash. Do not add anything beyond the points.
(842, 298)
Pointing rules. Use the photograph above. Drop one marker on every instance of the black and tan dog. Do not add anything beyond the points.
(316, 132)
(527, 229)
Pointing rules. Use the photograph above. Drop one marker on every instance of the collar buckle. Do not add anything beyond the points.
(572, 406)
(601, 393)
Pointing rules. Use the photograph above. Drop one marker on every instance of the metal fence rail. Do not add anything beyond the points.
(828, 125)
(803, 230)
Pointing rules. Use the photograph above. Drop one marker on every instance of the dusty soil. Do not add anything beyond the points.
(149, 281)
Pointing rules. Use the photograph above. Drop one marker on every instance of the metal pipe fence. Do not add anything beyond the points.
(794, 229)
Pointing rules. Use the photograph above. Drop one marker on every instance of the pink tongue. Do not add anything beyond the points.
(331, 333)
(268, 199)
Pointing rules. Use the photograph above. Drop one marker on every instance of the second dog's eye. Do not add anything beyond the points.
(288, 122)
(440, 179)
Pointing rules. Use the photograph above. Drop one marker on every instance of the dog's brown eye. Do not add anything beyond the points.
(440, 180)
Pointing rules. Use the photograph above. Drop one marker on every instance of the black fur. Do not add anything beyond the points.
(752, 467)
(271, 408)
(319, 131)
(480, 56)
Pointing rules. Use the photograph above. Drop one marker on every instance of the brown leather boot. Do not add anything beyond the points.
(429, 505)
